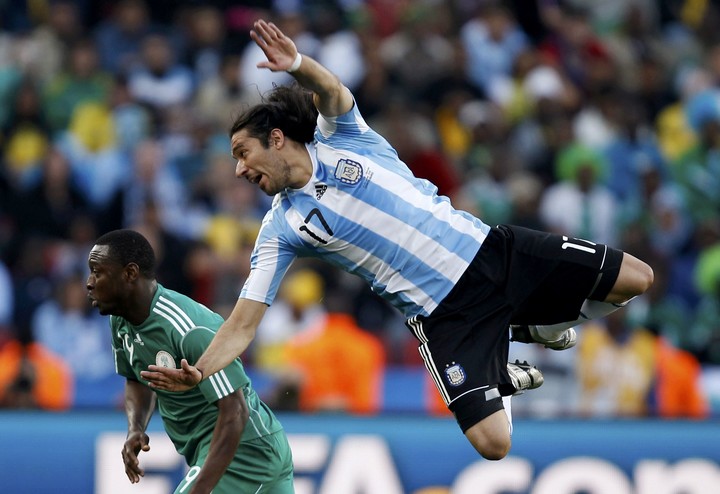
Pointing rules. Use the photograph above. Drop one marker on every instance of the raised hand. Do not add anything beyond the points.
(167, 379)
(278, 48)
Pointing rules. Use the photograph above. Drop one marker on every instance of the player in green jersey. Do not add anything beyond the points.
(231, 440)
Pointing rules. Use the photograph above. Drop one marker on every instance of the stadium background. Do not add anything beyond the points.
(594, 119)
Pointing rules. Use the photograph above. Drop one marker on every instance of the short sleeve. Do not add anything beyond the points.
(222, 383)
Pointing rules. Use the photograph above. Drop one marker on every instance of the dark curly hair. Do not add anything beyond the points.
(126, 246)
(288, 108)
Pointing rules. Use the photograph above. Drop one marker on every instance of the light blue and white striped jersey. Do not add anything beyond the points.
(364, 212)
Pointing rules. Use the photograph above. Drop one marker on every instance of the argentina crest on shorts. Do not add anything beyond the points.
(348, 171)
(455, 374)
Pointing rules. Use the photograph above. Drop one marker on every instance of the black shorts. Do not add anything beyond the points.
(519, 276)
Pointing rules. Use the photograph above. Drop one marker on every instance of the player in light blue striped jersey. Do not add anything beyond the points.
(342, 194)
(231, 440)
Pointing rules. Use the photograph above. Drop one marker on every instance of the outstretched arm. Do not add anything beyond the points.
(231, 340)
(331, 97)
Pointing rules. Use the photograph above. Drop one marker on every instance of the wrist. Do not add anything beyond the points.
(202, 374)
(296, 64)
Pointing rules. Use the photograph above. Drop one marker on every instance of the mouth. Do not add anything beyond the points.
(93, 302)
(255, 180)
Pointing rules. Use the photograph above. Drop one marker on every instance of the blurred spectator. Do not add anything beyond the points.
(297, 309)
(630, 371)
(698, 170)
(579, 205)
(49, 207)
(46, 48)
(206, 42)
(341, 35)
(677, 391)
(415, 138)
(30, 268)
(419, 52)
(486, 194)
(674, 130)
(220, 97)
(25, 135)
(160, 80)
(632, 149)
(32, 377)
(616, 368)
(119, 37)
(659, 208)
(67, 326)
(339, 366)
(492, 40)
(157, 182)
(705, 337)
(83, 81)
(572, 45)
(131, 120)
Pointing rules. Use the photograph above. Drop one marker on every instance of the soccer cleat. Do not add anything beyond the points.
(524, 376)
(528, 334)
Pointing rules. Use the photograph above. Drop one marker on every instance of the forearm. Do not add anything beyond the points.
(233, 337)
(331, 96)
(228, 344)
(232, 417)
(139, 405)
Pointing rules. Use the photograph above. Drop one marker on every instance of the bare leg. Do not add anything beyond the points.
(491, 436)
(634, 279)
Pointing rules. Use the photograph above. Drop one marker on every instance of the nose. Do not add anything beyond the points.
(90, 283)
(240, 169)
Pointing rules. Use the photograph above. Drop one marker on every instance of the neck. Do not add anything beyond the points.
(139, 307)
(302, 167)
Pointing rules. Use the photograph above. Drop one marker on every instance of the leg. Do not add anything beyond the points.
(491, 436)
(634, 278)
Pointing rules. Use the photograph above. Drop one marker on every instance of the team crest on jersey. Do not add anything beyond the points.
(164, 359)
(320, 191)
(455, 374)
(348, 171)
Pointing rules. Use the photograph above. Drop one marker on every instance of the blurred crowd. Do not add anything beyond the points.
(599, 120)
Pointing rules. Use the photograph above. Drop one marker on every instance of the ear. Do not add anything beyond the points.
(131, 272)
(276, 138)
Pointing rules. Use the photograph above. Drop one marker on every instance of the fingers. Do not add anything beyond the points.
(267, 30)
(168, 379)
(131, 461)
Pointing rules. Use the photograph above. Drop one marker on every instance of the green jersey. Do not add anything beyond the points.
(177, 328)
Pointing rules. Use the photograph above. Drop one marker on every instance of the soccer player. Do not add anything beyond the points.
(342, 194)
(230, 439)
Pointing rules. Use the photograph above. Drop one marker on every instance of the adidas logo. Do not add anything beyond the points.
(320, 190)
(138, 340)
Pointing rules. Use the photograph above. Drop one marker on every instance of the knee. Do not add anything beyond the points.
(495, 449)
(635, 278)
(645, 278)
(492, 446)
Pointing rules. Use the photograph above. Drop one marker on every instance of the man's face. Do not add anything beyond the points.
(106, 284)
(264, 167)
